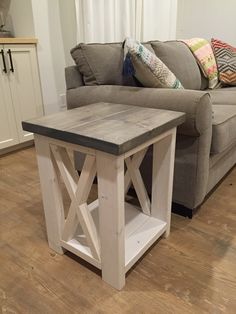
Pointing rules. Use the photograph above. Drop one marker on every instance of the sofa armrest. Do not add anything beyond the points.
(73, 77)
(196, 104)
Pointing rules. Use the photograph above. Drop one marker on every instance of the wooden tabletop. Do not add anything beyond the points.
(113, 128)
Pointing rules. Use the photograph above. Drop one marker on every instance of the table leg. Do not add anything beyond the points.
(51, 193)
(110, 171)
(162, 178)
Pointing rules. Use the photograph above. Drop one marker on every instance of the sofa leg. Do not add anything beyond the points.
(182, 210)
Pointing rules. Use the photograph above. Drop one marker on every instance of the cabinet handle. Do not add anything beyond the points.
(11, 63)
(3, 61)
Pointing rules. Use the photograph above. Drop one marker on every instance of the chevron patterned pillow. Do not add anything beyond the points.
(226, 61)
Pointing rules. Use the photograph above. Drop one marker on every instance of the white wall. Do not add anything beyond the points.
(68, 27)
(207, 19)
(20, 20)
(50, 52)
(159, 19)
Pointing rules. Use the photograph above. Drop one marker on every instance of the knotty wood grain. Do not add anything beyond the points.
(193, 271)
(112, 128)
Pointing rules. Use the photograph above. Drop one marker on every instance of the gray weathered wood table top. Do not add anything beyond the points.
(113, 128)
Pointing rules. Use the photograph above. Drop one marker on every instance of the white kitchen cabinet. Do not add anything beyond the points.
(8, 130)
(20, 91)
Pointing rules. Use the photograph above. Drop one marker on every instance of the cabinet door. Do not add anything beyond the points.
(24, 85)
(8, 130)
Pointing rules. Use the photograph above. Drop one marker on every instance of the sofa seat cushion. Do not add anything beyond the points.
(223, 96)
(223, 127)
(179, 59)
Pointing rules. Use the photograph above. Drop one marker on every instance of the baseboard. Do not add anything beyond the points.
(16, 147)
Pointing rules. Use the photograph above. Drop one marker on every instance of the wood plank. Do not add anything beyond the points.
(178, 275)
(139, 186)
(140, 241)
(162, 178)
(90, 231)
(110, 173)
(68, 173)
(83, 189)
(84, 218)
(51, 193)
(80, 250)
(146, 144)
(112, 128)
(70, 146)
(136, 161)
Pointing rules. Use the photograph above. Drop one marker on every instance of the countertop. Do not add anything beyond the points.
(18, 40)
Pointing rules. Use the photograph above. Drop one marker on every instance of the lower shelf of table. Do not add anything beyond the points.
(141, 231)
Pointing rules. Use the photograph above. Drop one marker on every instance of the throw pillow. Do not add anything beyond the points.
(226, 61)
(147, 67)
(204, 55)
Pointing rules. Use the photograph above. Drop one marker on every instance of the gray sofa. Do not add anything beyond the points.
(206, 142)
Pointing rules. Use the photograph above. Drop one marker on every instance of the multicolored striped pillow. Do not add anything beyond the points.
(204, 55)
(147, 67)
(226, 61)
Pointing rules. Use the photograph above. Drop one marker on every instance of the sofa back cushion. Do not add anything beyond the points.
(102, 64)
(179, 59)
(204, 82)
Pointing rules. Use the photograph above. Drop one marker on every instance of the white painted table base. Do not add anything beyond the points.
(108, 233)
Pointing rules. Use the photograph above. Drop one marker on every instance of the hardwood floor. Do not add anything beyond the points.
(193, 271)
